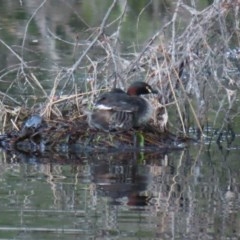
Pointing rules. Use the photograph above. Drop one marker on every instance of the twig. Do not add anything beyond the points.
(28, 22)
(100, 32)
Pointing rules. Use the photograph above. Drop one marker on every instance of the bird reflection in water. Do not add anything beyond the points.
(121, 181)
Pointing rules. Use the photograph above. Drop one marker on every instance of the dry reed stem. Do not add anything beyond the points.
(158, 62)
(100, 32)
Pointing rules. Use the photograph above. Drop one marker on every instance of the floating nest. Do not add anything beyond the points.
(38, 136)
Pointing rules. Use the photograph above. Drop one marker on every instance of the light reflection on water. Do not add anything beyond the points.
(191, 194)
(131, 195)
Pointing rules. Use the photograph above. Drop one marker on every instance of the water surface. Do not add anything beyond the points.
(184, 194)
(192, 193)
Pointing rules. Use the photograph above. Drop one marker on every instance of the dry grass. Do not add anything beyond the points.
(194, 69)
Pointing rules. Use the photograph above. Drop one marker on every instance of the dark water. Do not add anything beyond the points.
(191, 193)
(184, 194)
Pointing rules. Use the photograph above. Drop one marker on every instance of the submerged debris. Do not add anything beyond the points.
(31, 125)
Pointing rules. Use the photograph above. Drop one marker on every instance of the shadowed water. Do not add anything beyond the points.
(187, 194)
